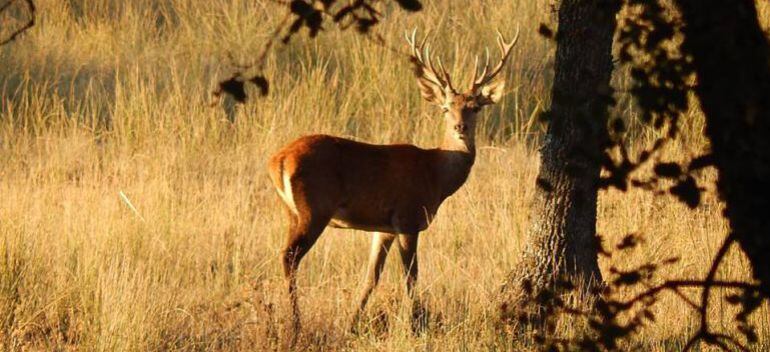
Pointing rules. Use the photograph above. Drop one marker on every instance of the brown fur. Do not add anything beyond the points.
(323, 184)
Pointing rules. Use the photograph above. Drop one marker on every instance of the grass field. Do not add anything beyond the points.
(103, 98)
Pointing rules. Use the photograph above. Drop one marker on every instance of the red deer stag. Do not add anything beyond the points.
(392, 190)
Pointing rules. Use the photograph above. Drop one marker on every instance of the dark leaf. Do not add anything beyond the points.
(363, 25)
(687, 191)
(659, 121)
(749, 303)
(733, 299)
(261, 82)
(749, 332)
(234, 87)
(301, 8)
(410, 5)
(307, 15)
(545, 31)
(648, 314)
(629, 241)
(701, 162)
(627, 278)
(668, 170)
(314, 22)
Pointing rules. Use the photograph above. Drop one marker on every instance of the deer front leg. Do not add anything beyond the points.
(381, 243)
(407, 245)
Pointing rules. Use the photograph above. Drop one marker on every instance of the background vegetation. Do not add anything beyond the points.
(102, 98)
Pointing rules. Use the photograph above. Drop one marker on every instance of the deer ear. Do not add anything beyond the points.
(492, 92)
(430, 92)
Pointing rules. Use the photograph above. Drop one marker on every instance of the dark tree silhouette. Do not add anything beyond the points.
(725, 49)
(730, 56)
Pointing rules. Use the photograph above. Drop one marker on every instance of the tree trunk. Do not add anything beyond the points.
(731, 58)
(562, 241)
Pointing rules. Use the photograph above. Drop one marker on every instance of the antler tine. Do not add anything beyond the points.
(431, 69)
(416, 50)
(505, 49)
(446, 77)
(411, 41)
(476, 69)
(440, 75)
(421, 54)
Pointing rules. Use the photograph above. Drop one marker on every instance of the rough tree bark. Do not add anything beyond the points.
(562, 239)
(731, 58)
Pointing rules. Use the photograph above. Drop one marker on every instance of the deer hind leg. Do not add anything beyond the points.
(313, 198)
(407, 246)
(381, 243)
(303, 233)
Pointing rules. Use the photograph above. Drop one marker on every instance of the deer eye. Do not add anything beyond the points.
(444, 109)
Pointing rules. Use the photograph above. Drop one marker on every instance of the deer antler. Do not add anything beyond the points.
(487, 77)
(421, 56)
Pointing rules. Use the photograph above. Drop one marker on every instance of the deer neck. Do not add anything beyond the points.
(455, 159)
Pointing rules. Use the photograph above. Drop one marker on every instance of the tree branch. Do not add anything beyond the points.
(26, 26)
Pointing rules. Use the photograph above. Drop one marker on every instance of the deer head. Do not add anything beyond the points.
(460, 109)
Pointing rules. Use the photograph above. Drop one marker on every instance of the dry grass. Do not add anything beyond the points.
(105, 97)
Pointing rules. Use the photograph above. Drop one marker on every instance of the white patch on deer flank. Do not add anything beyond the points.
(286, 193)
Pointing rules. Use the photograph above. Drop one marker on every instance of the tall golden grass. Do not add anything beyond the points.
(107, 103)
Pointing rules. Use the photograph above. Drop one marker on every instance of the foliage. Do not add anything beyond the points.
(650, 43)
(612, 318)
(311, 14)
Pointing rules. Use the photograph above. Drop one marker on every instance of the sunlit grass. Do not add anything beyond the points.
(106, 98)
